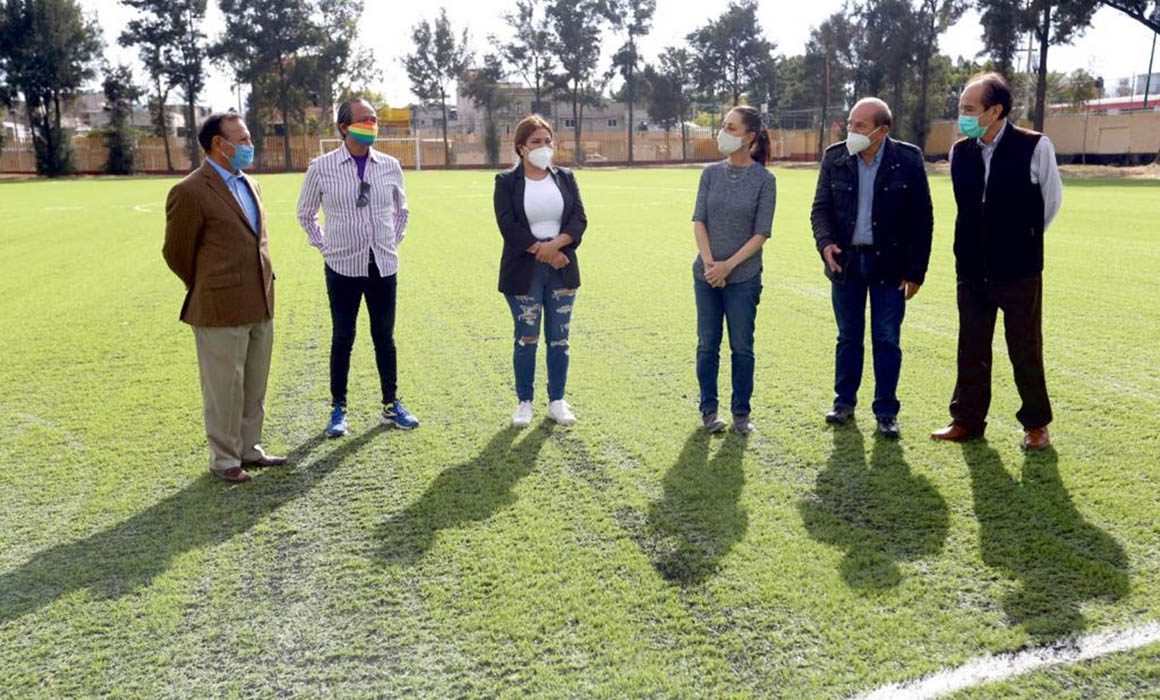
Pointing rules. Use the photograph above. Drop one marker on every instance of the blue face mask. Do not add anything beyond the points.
(243, 156)
(970, 126)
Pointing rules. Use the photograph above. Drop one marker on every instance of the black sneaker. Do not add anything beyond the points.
(841, 415)
(712, 423)
(888, 427)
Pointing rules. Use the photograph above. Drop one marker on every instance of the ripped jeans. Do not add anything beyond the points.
(546, 293)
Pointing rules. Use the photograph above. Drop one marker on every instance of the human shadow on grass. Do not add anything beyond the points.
(699, 518)
(1030, 528)
(125, 557)
(879, 513)
(471, 491)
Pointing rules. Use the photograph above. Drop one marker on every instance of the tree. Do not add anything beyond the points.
(1146, 12)
(576, 40)
(1052, 22)
(931, 19)
(634, 17)
(530, 52)
(1002, 23)
(483, 86)
(120, 95)
(670, 89)
(828, 59)
(439, 59)
(189, 66)
(885, 48)
(263, 42)
(731, 52)
(173, 50)
(339, 65)
(47, 50)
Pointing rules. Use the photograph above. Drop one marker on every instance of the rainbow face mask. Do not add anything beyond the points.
(363, 132)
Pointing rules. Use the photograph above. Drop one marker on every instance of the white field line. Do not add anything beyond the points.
(989, 669)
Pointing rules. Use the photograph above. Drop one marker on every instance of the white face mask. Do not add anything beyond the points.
(728, 143)
(541, 157)
(856, 143)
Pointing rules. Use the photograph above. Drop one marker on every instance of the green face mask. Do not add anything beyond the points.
(970, 126)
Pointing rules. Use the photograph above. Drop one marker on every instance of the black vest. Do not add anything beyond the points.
(999, 238)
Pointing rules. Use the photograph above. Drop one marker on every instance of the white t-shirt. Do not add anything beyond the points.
(544, 206)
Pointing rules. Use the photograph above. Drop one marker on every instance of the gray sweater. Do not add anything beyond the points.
(734, 204)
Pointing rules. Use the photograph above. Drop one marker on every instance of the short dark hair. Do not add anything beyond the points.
(996, 91)
(212, 126)
(345, 116)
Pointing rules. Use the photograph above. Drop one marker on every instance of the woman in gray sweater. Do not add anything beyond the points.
(732, 220)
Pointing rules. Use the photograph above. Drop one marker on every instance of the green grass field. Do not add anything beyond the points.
(630, 555)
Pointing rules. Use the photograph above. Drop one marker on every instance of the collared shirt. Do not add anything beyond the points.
(352, 233)
(1044, 172)
(241, 190)
(867, 173)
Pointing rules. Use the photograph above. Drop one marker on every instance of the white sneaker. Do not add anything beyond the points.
(560, 412)
(522, 418)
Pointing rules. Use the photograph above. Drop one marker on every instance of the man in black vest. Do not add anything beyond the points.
(1007, 188)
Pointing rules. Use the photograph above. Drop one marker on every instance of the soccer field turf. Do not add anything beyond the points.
(630, 555)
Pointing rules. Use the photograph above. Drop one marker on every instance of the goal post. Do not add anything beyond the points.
(406, 149)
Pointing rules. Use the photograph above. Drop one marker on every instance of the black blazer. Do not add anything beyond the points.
(903, 218)
(516, 263)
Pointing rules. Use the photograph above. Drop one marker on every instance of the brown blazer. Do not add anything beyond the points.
(209, 244)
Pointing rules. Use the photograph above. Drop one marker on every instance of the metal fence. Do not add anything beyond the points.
(1100, 138)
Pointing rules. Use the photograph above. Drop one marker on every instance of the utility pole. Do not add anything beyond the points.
(1148, 78)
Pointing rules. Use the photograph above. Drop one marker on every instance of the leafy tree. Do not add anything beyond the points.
(47, 51)
(634, 17)
(173, 49)
(731, 52)
(829, 62)
(576, 26)
(439, 59)
(531, 51)
(483, 86)
(120, 95)
(1002, 22)
(1146, 12)
(670, 87)
(264, 41)
(1052, 22)
(931, 20)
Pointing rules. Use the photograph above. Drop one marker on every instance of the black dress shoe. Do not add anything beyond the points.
(841, 415)
(888, 427)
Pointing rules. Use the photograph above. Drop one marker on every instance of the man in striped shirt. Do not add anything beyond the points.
(360, 192)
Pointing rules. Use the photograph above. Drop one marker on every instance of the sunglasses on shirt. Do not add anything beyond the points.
(364, 190)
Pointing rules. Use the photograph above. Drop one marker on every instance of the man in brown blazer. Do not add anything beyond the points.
(215, 241)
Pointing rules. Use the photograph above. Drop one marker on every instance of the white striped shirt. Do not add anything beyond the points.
(351, 232)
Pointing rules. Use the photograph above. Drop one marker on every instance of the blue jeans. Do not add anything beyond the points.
(887, 307)
(547, 292)
(736, 304)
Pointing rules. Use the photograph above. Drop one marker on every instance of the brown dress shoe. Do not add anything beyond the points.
(1035, 439)
(955, 433)
(264, 461)
(235, 475)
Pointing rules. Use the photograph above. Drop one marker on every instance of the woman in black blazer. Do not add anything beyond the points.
(541, 218)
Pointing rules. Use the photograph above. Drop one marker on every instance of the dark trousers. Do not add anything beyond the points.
(736, 306)
(887, 309)
(346, 295)
(1022, 305)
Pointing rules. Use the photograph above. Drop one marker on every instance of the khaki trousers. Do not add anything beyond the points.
(234, 364)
